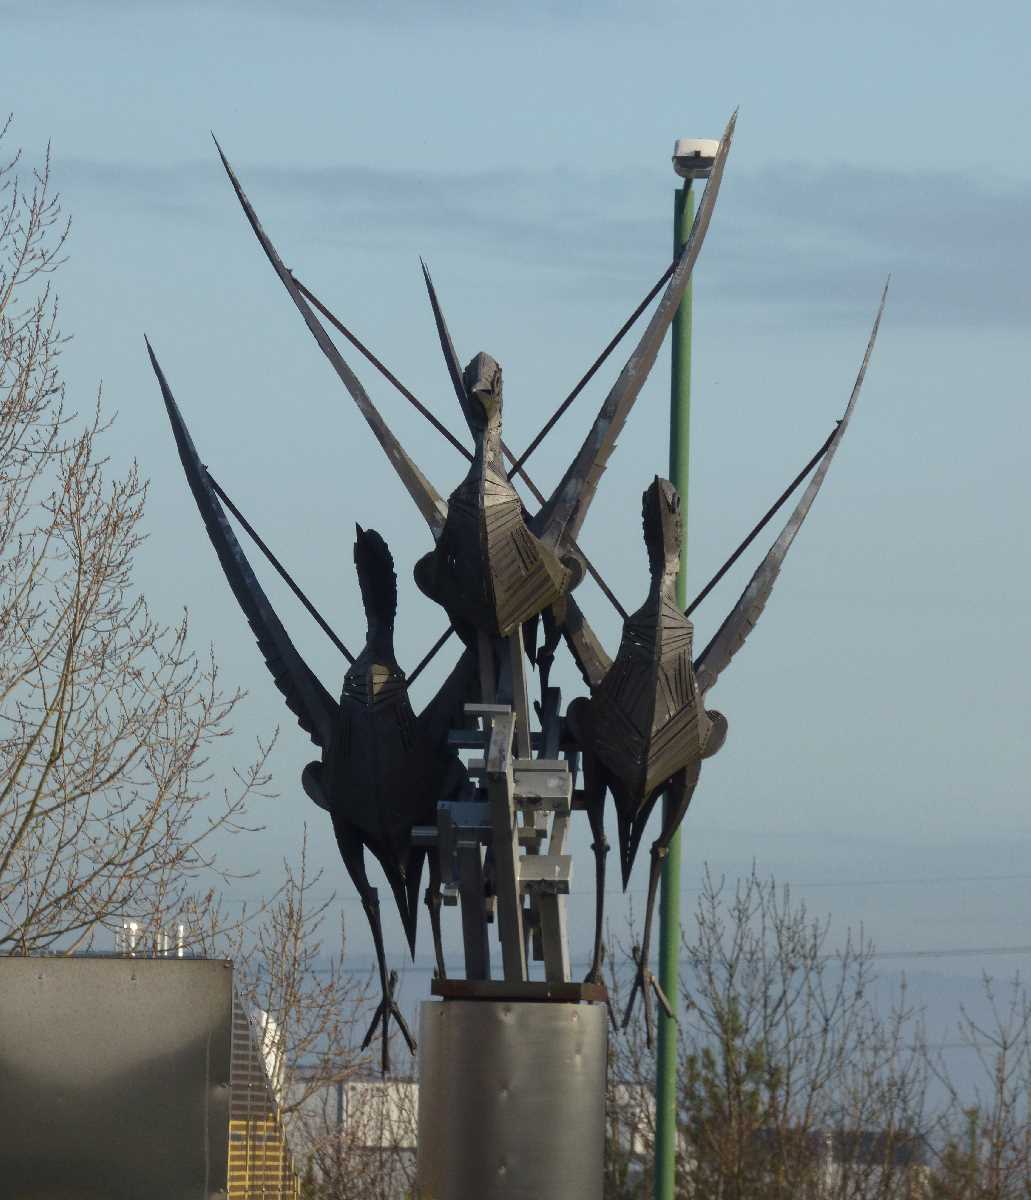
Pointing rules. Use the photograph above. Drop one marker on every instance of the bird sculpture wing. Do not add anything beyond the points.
(581, 639)
(426, 497)
(584, 645)
(731, 635)
(316, 711)
(454, 366)
(446, 710)
(562, 516)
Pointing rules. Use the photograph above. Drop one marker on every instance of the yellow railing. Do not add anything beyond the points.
(260, 1164)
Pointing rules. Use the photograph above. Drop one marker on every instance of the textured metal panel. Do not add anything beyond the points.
(114, 1078)
(511, 1100)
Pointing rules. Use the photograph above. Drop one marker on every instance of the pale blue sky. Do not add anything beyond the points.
(878, 716)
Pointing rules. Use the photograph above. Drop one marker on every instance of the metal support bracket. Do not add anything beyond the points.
(516, 808)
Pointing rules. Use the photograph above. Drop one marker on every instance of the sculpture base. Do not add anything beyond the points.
(500, 989)
(511, 1100)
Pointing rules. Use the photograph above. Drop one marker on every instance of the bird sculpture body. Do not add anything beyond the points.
(383, 768)
(493, 567)
(644, 728)
(487, 570)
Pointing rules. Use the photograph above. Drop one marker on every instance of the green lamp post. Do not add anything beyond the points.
(692, 159)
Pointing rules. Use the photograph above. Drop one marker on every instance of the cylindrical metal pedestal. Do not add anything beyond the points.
(511, 1100)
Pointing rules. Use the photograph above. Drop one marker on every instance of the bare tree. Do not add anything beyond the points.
(986, 1154)
(286, 968)
(106, 718)
(791, 1082)
(308, 1011)
(351, 1132)
(787, 1059)
(372, 1156)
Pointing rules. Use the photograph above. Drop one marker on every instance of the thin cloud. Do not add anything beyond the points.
(958, 247)
(401, 13)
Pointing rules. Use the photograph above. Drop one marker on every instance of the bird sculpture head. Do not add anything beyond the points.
(482, 380)
(374, 674)
(374, 566)
(660, 514)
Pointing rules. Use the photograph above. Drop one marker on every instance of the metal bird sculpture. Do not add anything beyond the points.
(383, 769)
(487, 570)
(495, 568)
(644, 731)
(491, 569)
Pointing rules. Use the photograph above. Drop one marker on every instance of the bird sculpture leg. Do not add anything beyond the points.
(546, 652)
(455, 780)
(386, 1009)
(600, 846)
(578, 718)
(530, 638)
(680, 790)
(433, 903)
(594, 802)
(353, 853)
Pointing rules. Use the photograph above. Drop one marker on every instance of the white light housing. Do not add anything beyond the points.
(692, 157)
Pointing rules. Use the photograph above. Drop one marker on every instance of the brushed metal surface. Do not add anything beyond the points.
(114, 1078)
(511, 1100)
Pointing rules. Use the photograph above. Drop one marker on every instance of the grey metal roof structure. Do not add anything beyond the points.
(123, 1077)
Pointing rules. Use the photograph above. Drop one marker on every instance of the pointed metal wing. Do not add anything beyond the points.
(316, 711)
(563, 515)
(454, 366)
(587, 651)
(742, 620)
(427, 499)
(446, 710)
(581, 639)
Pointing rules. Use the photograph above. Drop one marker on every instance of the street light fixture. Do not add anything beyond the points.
(693, 157)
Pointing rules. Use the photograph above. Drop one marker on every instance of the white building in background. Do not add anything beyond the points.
(272, 1045)
(377, 1122)
(381, 1115)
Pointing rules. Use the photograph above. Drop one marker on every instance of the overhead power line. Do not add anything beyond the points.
(456, 968)
(924, 881)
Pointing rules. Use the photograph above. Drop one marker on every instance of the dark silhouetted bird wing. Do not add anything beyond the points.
(447, 346)
(315, 709)
(588, 652)
(446, 710)
(426, 497)
(742, 620)
(563, 515)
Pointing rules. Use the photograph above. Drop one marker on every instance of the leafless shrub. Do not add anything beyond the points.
(786, 1066)
(106, 718)
(986, 1153)
(320, 1007)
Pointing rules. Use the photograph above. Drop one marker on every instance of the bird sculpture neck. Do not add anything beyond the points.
(659, 626)
(379, 644)
(374, 675)
(487, 453)
(482, 382)
(662, 592)
(661, 519)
